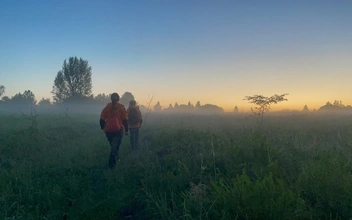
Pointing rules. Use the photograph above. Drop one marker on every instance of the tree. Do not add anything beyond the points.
(338, 104)
(126, 98)
(74, 81)
(157, 107)
(6, 99)
(102, 98)
(263, 103)
(235, 109)
(197, 105)
(176, 105)
(211, 108)
(305, 108)
(190, 106)
(44, 102)
(2, 90)
(27, 98)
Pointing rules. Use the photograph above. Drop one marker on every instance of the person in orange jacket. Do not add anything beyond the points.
(134, 122)
(113, 121)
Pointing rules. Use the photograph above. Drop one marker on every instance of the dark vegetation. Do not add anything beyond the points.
(294, 166)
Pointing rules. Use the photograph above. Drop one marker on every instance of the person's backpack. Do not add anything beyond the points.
(133, 116)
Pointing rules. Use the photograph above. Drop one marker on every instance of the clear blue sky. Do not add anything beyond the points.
(212, 51)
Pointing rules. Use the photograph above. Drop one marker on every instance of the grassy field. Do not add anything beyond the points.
(295, 166)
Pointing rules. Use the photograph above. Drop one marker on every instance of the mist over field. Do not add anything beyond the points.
(291, 165)
(236, 110)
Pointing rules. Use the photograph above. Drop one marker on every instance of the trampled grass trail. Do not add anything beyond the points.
(295, 166)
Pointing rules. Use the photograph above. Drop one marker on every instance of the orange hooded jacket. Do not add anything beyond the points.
(111, 112)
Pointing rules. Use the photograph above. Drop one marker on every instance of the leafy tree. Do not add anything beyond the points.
(126, 98)
(263, 103)
(176, 105)
(235, 109)
(102, 98)
(73, 81)
(6, 99)
(44, 102)
(210, 108)
(2, 90)
(336, 105)
(27, 98)
(184, 108)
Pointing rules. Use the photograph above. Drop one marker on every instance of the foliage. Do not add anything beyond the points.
(25, 98)
(44, 102)
(336, 105)
(74, 80)
(6, 99)
(298, 167)
(2, 90)
(102, 98)
(126, 98)
(263, 103)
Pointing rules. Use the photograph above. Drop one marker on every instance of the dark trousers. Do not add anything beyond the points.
(134, 137)
(114, 139)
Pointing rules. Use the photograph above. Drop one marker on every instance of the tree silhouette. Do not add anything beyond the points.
(305, 108)
(176, 105)
(210, 108)
(44, 102)
(102, 98)
(190, 106)
(157, 107)
(263, 103)
(6, 99)
(74, 81)
(2, 90)
(197, 105)
(126, 98)
(27, 98)
(235, 109)
(336, 105)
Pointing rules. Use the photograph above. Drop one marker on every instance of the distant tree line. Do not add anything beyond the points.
(188, 108)
(73, 87)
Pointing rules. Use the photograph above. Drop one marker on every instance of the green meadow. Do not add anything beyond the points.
(293, 166)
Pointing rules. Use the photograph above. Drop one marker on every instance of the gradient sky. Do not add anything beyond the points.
(212, 51)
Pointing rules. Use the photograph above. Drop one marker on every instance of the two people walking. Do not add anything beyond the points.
(115, 122)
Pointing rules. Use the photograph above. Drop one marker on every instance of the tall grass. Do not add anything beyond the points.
(186, 167)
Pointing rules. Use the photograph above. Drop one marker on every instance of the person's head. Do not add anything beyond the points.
(132, 102)
(115, 97)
